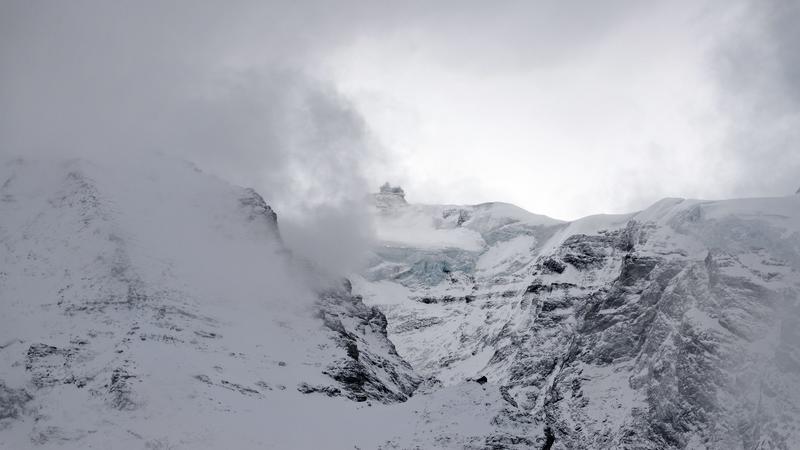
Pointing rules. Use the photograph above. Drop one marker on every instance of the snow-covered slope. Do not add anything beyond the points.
(148, 305)
(674, 327)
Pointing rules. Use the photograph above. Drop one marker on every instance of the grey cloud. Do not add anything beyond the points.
(125, 76)
(758, 64)
(226, 85)
(239, 86)
(489, 37)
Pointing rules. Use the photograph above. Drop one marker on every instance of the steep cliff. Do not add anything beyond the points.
(147, 304)
(674, 327)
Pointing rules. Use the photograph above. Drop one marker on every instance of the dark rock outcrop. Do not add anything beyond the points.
(366, 372)
(12, 402)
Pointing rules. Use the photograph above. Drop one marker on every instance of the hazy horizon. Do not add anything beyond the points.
(564, 109)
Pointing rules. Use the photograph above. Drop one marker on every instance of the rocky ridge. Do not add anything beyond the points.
(129, 295)
(668, 328)
(147, 304)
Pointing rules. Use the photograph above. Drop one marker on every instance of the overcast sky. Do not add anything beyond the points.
(564, 108)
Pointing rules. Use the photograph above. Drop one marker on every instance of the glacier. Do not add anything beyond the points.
(147, 304)
(672, 327)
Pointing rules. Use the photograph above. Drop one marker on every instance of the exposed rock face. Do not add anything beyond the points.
(12, 402)
(670, 328)
(131, 297)
(389, 197)
(142, 293)
(258, 210)
(371, 359)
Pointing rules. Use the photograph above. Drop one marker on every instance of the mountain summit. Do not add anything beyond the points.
(146, 304)
(673, 327)
(149, 305)
(389, 197)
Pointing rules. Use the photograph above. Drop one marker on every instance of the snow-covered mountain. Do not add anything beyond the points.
(149, 305)
(146, 304)
(673, 327)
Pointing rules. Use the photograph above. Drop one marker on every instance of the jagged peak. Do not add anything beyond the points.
(258, 207)
(387, 188)
(389, 196)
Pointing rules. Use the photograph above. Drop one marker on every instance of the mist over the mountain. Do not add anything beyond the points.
(222, 85)
(759, 72)
(195, 251)
(270, 94)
